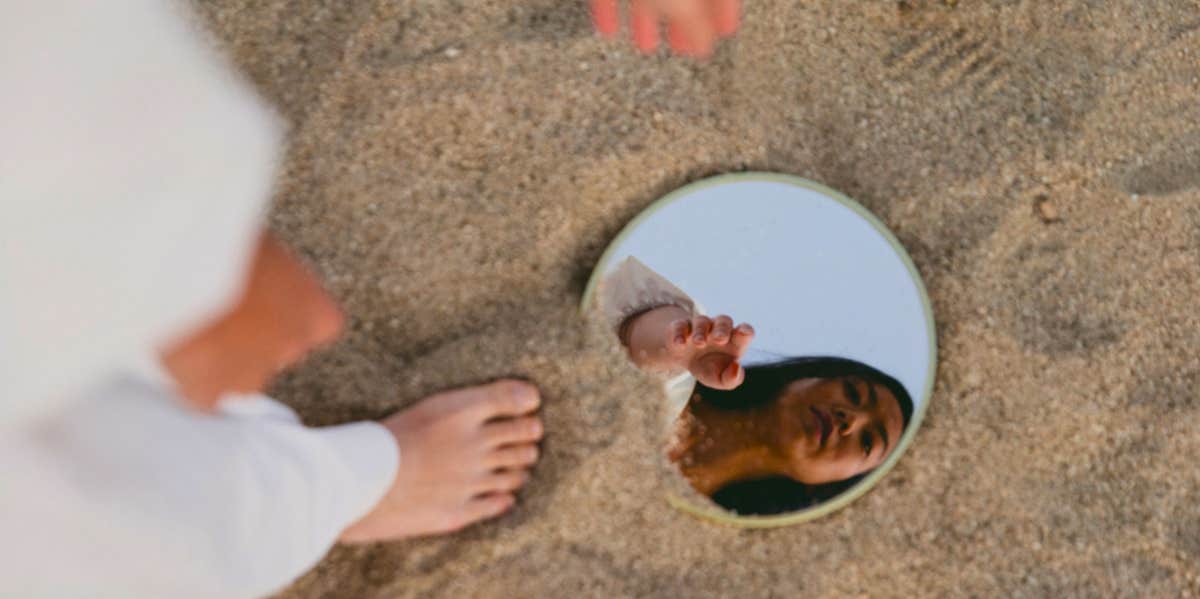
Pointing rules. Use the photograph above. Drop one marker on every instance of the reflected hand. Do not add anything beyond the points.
(711, 349)
(693, 26)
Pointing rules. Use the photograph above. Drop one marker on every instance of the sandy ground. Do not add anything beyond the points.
(456, 169)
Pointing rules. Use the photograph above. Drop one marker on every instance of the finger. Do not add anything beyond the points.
(709, 368)
(513, 456)
(605, 17)
(484, 507)
(677, 39)
(643, 21)
(722, 329)
(727, 14)
(515, 430)
(507, 398)
(691, 31)
(701, 326)
(678, 332)
(733, 376)
(502, 481)
(701, 36)
(742, 336)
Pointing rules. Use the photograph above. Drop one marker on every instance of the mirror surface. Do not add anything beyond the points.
(791, 333)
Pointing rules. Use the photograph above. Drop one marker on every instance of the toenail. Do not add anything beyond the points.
(524, 394)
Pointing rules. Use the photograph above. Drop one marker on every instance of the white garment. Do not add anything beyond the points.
(134, 172)
(631, 288)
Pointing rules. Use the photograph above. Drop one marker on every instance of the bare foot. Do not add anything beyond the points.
(666, 339)
(463, 455)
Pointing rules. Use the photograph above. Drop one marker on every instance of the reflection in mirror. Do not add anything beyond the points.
(789, 330)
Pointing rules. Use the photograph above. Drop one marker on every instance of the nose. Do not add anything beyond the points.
(849, 420)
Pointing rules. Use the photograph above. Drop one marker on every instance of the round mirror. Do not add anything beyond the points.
(792, 335)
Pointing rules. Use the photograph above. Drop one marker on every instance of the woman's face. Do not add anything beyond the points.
(836, 428)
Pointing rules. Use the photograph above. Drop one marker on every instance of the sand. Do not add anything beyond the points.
(456, 169)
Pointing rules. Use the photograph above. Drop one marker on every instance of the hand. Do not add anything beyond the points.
(712, 349)
(693, 26)
(281, 315)
(668, 340)
(463, 456)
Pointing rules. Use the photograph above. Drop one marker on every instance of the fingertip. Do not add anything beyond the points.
(722, 329)
(733, 375)
(605, 17)
(644, 24)
(646, 44)
(677, 40)
(728, 17)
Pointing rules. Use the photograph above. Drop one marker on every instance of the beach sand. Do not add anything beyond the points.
(456, 169)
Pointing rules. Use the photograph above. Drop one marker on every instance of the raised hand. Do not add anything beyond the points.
(668, 339)
(693, 26)
(712, 349)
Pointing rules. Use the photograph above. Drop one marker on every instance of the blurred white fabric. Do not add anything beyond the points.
(135, 168)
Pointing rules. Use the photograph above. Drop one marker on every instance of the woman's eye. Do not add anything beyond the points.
(851, 392)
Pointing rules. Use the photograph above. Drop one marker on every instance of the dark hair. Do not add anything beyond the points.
(763, 384)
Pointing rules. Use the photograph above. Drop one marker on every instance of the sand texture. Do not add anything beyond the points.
(456, 168)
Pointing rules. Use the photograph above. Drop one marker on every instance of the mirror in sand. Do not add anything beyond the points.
(792, 335)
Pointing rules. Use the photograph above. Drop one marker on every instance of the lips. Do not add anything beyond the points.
(824, 424)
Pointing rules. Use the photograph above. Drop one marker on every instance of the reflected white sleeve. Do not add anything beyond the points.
(632, 288)
(131, 494)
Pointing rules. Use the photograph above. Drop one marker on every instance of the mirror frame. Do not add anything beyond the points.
(858, 490)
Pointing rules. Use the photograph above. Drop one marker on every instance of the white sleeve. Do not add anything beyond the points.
(130, 494)
(632, 288)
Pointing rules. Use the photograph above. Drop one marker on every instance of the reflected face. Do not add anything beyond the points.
(836, 428)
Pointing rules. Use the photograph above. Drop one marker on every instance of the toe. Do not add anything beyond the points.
(515, 456)
(508, 397)
(486, 506)
(502, 481)
(516, 430)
